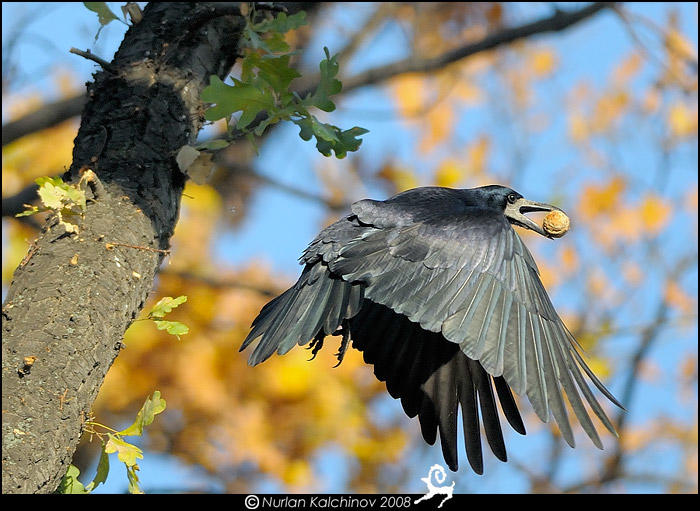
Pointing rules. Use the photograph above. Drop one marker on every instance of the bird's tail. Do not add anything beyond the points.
(314, 307)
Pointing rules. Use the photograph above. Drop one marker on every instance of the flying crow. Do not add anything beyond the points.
(441, 295)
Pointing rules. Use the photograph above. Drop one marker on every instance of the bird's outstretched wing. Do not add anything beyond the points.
(446, 307)
(471, 278)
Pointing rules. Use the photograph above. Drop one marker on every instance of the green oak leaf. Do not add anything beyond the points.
(244, 97)
(165, 305)
(275, 71)
(151, 407)
(104, 13)
(55, 194)
(70, 483)
(347, 142)
(282, 23)
(172, 327)
(213, 145)
(126, 452)
(33, 210)
(102, 470)
(330, 138)
(328, 85)
(306, 130)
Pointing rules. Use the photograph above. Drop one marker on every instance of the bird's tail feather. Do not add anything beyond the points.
(316, 304)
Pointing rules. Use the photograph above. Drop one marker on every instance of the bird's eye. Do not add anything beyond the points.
(512, 198)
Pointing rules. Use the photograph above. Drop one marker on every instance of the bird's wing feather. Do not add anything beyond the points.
(317, 304)
(470, 277)
(432, 376)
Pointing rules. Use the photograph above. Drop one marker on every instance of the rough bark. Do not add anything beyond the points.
(72, 298)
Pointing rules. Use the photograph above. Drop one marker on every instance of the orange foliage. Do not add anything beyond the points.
(601, 199)
(276, 415)
(408, 93)
(400, 178)
(440, 120)
(676, 297)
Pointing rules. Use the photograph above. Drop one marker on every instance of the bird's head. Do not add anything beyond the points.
(514, 206)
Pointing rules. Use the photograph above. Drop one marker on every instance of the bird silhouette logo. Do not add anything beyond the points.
(436, 473)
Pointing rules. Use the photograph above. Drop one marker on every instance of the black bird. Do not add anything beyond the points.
(441, 295)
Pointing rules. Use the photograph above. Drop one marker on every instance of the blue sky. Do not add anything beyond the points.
(279, 226)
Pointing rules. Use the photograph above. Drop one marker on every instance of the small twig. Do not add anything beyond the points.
(222, 283)
(88, 55)
(63, 400)
(44, 117)
(625, 17)
(614, 464)
(111, 244)
(374, 21)
(33, 249)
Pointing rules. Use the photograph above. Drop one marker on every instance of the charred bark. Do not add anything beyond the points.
(74, 295)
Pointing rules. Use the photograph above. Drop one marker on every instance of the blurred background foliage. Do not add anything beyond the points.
(612, 139)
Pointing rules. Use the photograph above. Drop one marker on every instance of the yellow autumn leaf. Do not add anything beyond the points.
(521, 88)
(690, 200)
(603, 198)
(29, 158)
(608, 109)
(627, 224)
(652, 100)
(598, 284)
(677, 298)
(543, 62)
(477, 155)
(548, 276)
(448, 174)
(655, 213)
(599, 365)
(636, 438)
(401, 178)
(290, 381)
(578, 127)
(408, 93)
(297, 473)
(627, 69)
(569, 259)
(467, 92)
(66, 83)
(682, 121)
(439, 122)
(632, 273)
(678, 45)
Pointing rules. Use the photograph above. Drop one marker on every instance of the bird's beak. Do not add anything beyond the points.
(515, 214)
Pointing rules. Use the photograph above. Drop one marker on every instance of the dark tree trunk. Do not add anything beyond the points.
(73, 297)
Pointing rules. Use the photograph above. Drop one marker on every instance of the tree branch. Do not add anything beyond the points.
(221, 283)
(46, 116)
(90, 56)
(14, 204)
(559, 21)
